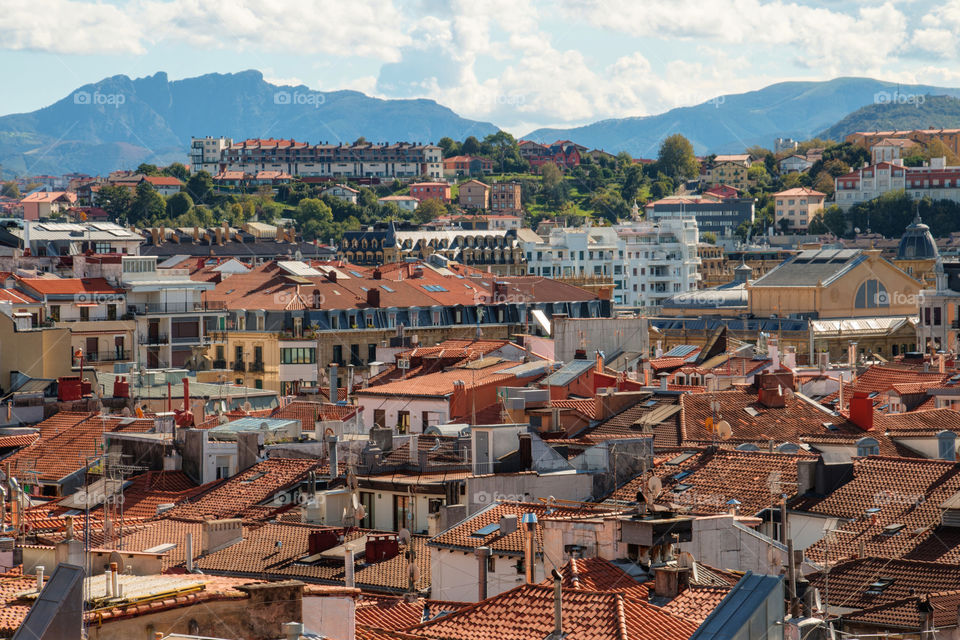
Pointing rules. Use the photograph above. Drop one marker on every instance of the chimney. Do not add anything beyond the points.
(790, 358)
(414, 453)
(852, 354)
(663, 381)
(332, 275)
(292, 630)
(40, 569)
(332, 448)
(220, 534)
(526, 451)
(349, 382)
(671, 581)
(349, 564)
(483, 555)
(557, 606)
(773, 351)
(114, 579)
(377, 274)
(188, 552)
(373, 297)
(334, 391)
(529, 546)
(772, 397)
(599, 361)
(861, 410)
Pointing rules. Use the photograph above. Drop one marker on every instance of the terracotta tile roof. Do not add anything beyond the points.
(526, 612)
(790, 423)
(881, 378)
(908, 492)
(13, 610)
(66, 441)
(850, 581)
(19, 440)
(17, 297)
(917, 423)
(586, 407)
(309, 413)
(696, 603)
(662, 417)
(905, 613)
(249, 488)
(441, 383)
(69, 286)
(394, 613)
(460, 535)
(146, 535)
(149, 490)
(597, 574)
(258, 555)
(705, 482)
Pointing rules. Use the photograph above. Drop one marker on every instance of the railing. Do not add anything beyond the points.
(239, 365)
(219, 364)
(108, 356)
(256, 367)
(144, 308)
(160, 338)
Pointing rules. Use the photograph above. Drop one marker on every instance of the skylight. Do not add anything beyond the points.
(484, 531)
(386, 288)
(356, 274)
(680, 488)
(751, 411)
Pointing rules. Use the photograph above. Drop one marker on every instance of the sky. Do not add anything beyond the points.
(520, 64)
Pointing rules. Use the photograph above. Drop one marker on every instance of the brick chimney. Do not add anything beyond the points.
(373, 297)
(861, 410)
(669, 581)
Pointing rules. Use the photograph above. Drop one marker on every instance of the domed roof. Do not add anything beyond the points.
(917, 242)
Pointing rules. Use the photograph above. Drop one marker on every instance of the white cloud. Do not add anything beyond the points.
(67, 27)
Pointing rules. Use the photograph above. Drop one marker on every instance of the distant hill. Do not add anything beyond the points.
(119, 122)
(906, 112)
(730, 123)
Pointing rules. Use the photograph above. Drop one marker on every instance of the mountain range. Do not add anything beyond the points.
(120, 122)
(731, 123)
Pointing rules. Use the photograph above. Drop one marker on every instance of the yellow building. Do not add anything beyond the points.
(35, 352)
(730, 170)
(845, 283)
(797, 206)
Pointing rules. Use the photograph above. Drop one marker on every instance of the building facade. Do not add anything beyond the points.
(474, 194)
(797, 206)
(205, 153)
(505, 197)
(720, 216)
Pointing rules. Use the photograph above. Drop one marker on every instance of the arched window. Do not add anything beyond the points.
(867, 447)
(872, 294)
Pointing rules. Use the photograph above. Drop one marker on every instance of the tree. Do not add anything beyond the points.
(552, 185)
(758, 152)
(148, 169)
(835, 221)
(470, 146)
(429, 209)
(824, 183)
(676, 158)
(632, 181)
(178, 170)
(200, 187)
(314, 209)
(115, 201)
(359, 141)
(709, 237)
(784, 225)
(817, 226)
(505, 149)
(449, 146)
(147, 204)
(10, 189)
(178, 204)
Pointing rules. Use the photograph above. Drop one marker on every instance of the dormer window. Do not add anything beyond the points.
(867, 447)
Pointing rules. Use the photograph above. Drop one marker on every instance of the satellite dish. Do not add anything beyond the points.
(654, 487)
(356, 501)
(724, 432)
(788, 393)
(360, 513)
(125, 412)
(405, 535)
(298, 255)
(247, 406)
(685, 559)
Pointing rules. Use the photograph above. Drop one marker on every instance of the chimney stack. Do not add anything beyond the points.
(483, 555)
(663, 381)
(861, 410)
(349, 564)
(557, 605)
(334, 390)
(529, 546)
(334, 467)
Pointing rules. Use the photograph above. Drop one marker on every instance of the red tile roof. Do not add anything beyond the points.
(69, 286)
(696, 603)
(526, 612)
(247, 489)
(905, 613)
(849, 581)
(441, 383)
(393, 613)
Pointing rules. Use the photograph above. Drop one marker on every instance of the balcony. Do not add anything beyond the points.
(158, 338)
(256, 367)
(219, 364)
(145, 308)
(108, 356)
(239, 366)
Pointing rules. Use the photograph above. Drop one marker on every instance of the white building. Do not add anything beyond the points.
(404, 203)
(794, 164)
(647, 262)
(935, 180)
(205, 153)
(171, 314)
(342, 191)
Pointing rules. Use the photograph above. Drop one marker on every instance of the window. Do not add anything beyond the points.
(371, 352)
(403, 421)
(379, 417)
(84, 313)
(402, 512)
(258, 383)
(367, 500)
(55, 312)
(223, 467)
(867, 447)
(111, 312)
(947, 445)
(872, 294)
(337, 354)
(258, 354)
(298, 355)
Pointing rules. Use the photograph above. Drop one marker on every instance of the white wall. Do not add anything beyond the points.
(718, 542)
(454, 575)
(392, 405)
(329, 616)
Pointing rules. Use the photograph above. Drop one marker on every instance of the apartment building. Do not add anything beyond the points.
(205, 153)
(645, 262)
(474, 194)
(401, 160)
(727, 169)
(935, 180)
(797, 206)
(720, 216)
(505, 197)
